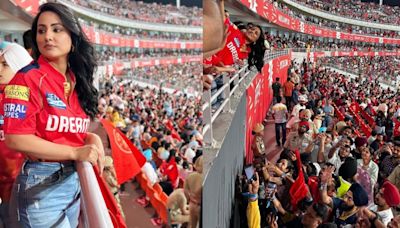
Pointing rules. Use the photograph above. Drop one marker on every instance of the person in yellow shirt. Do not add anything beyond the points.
(253, 211)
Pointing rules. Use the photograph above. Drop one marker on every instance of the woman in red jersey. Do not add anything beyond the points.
(47, 110)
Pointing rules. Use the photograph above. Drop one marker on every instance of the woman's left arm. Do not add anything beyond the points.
(92, 138)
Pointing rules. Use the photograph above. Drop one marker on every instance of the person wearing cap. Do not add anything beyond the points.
(280, 115)
(12, 59)
(344, 210)
(294, 116)
(359, 142)
(300, 139)
(257, 145)
(385, 199)
(110, 177)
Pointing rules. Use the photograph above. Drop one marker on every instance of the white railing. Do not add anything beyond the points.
(341, 19)
(227, 93)
(107, 18)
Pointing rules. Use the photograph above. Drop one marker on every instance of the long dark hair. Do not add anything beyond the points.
(81, 59)
(256, 55)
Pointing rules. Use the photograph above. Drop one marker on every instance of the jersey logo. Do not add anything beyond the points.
(33, 65)
(237, 42)
(17, 92)
(55, 101)
(67, 124)
(16, 111)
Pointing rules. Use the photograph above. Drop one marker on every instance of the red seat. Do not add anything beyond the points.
(163, 197)
(150, 191)
(144, 182)
(161, 208)
(157, 187)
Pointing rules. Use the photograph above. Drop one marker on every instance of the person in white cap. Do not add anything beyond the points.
(12, 59)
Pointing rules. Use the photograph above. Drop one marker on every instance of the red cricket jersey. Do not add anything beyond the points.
(231, 53)
(10, 160)
(35, 103)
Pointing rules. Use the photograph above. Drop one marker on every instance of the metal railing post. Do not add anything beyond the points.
(208, 134)
(227, 91)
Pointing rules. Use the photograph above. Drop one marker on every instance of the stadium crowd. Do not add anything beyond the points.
(381, 68)
(179, 77)
(336, 25)
(148, 12)
(366, 11)
(275, 42)
(110, 54)
(140, 33)
(335, 171)
(165, 127)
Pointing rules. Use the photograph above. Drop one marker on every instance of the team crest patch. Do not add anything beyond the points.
(15, 111)
(17, 92)
(237, 42)
(55, 101)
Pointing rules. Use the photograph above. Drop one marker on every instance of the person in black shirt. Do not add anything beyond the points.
(276, 88)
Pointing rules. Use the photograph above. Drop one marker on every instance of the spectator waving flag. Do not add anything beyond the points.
(128, 160)
(299, 188)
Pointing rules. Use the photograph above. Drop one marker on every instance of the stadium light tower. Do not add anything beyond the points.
(178, 3)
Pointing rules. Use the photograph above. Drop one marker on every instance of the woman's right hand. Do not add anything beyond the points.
(88, 153)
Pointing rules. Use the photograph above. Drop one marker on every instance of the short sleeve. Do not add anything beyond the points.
(336, 202)
(21, 104)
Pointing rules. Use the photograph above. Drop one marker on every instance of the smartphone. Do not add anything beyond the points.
(249, 172)
(322, 130)
(270, 190)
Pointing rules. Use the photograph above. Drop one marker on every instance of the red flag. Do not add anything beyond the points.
(116, 216)
(128, 160)
(299, 188)
(174, 133)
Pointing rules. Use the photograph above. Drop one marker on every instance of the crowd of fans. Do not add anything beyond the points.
(140, 33)
(329, 173)
(366, 11)
(181, 77)
(381, 68)
(148, 12)
(108, 54)
(274, 42)
(335, 25)
(166, 128)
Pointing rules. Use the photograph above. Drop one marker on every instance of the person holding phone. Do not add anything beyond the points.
(253, 210)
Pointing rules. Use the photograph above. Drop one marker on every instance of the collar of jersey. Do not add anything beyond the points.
(45, 65)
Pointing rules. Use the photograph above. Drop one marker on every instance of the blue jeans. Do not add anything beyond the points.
(278, 128)
(46, 194)
(327, 121)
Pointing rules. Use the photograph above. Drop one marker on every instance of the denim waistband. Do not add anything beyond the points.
(65, 166)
